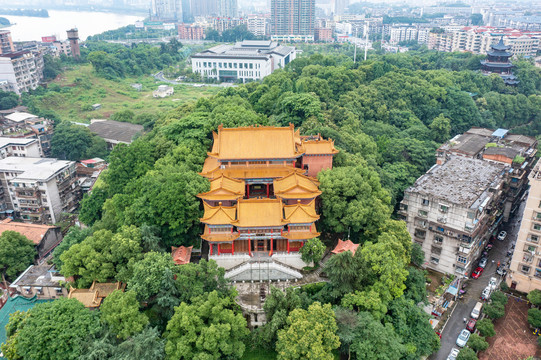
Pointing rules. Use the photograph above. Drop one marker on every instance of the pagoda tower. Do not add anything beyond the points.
(498, 62)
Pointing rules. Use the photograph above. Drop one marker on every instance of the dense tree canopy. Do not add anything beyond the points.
(76, 142)
(120, 311)
(16, 254)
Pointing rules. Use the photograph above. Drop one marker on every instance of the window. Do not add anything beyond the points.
(462, 259)
(525, 269)
(438, 239)
(421, 234)
(444, 208)
(404, 207)
(537, 226)
(423, 213)
(530, 248)
(440, 229)
(434, 260)
(533, 238)
(425, 202)
(537, 273)
(435, 250)
(537, 215)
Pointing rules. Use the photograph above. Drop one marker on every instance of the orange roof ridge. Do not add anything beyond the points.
(224, 188)
(218, 215)
(319, 146)
(301, 213)
(346, 245)
(181, 255)
(309, 187)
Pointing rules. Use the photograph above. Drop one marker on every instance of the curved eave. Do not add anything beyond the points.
(220, 237)
(287, 196)
(210, 197)
(301, 235)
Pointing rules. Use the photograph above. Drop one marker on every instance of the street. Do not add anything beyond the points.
(475, 286)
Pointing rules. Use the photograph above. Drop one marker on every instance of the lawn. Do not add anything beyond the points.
(73, 92)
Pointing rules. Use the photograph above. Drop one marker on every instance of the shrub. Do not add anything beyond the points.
(499, 297)
(495, 310)
(466, 354)
(504, 286)
(535, 297)
(486, 327)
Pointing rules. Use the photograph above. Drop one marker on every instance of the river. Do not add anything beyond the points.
(89, 23)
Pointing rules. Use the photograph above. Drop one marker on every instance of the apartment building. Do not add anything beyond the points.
(525, 270)
(244, 61)
(22, 147)
(452, 210)
(190, 32)
(6, 43)
(23, 70)
(37, 190)
(293, 17)
(20, 125)
(257, 25)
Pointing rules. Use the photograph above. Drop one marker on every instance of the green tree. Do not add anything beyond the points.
(198, 279)
(8, 100)
(76, 142)
(209, 328)
(494, 310)
(16, 254)
(440, 128)
(534, 297)
(91, 206)
(312, 251)
(120, 310)
(103, 256)
(486, 327)
(74, 236)
(344, 273)
(416, 285)
(310, 334)
(417, 254)
(146, 280)
(534, 317)
(123, 115)
(466, 354)
(148, 344)
(477, 343)
(55, 330)
(375, 341)
(353, 199)
(499, 297)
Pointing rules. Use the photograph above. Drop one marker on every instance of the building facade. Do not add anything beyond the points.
(190, 32)
(24, 147)
(244, 61)
(38, 190)
(6, 43)
(525, 269)
(257, 25)
(261, 206)
(452, 210)
(23, 70)
(73, 38)
(167, 10)
(293, 17)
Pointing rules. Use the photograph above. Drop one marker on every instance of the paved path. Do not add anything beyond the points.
(475, 286)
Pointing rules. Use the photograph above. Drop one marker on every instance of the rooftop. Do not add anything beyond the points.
(115, 130)
(296, 186)
(39, 275)
(247, 48)
(8, 141)
(17, 303)
(346, 245)
(33, 232)
(181, 255)
(29, 168)
(19, 116)
(460, 180)
(469, 144)
(224, 188)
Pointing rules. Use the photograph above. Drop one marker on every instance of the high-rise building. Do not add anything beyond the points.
(6, 44)
(73, 37)
(23, 70)
(227, 8)
(293, 17)
(204, 7)
(340, 6)
(170, 10)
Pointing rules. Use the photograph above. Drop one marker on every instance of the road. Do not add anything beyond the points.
(475, 286)
(159, 76)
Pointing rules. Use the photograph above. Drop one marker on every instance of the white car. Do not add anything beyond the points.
(502, 235)
(453, 354)
(463, 338)
(492, 283)
(485, 295)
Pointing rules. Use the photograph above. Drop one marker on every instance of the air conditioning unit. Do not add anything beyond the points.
(430, 228)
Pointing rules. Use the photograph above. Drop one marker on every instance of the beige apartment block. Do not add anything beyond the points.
(525, 270)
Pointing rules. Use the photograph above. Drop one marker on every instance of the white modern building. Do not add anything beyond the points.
(22, 147)
(37, 190)
(257, 25)
(244, 61)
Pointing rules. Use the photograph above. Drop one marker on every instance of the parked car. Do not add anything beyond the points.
(485, 295)
(492, 283)
(470, 326)
(483, 262)
(502, 235)
(489, 246)
(476, 312)
(477, 273)
(501, 271)
(463, 338)
(453, 354)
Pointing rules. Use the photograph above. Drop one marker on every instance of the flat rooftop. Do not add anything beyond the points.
(459, 181)
(246, 48)
(7, 141)
(40, 275)
(29, 168)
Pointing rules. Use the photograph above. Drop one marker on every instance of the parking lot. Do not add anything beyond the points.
(475, 287)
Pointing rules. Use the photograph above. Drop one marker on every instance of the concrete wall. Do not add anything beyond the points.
(228, 261)
(316, 163)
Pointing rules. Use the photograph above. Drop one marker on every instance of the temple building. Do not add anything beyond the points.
(498, 62)
(261, 206)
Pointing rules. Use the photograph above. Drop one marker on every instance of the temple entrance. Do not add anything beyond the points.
(259, 191)
(261, 245)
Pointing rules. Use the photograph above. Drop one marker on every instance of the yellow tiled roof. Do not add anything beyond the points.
(224, 188)
(89, 298)
(296, 186)
(261, 142)
(245, 172)
(219, 237)
(302, 235)
(210, 165)
(301, 213)
(319, 147)
(218, 215)
(259, 213)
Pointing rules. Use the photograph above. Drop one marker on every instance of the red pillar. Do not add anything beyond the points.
(248, 191)
(271, 240)
(210, 244)
(267, 190)
(218, 249)
(249, 244)
(287, 246)
(233, 247)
